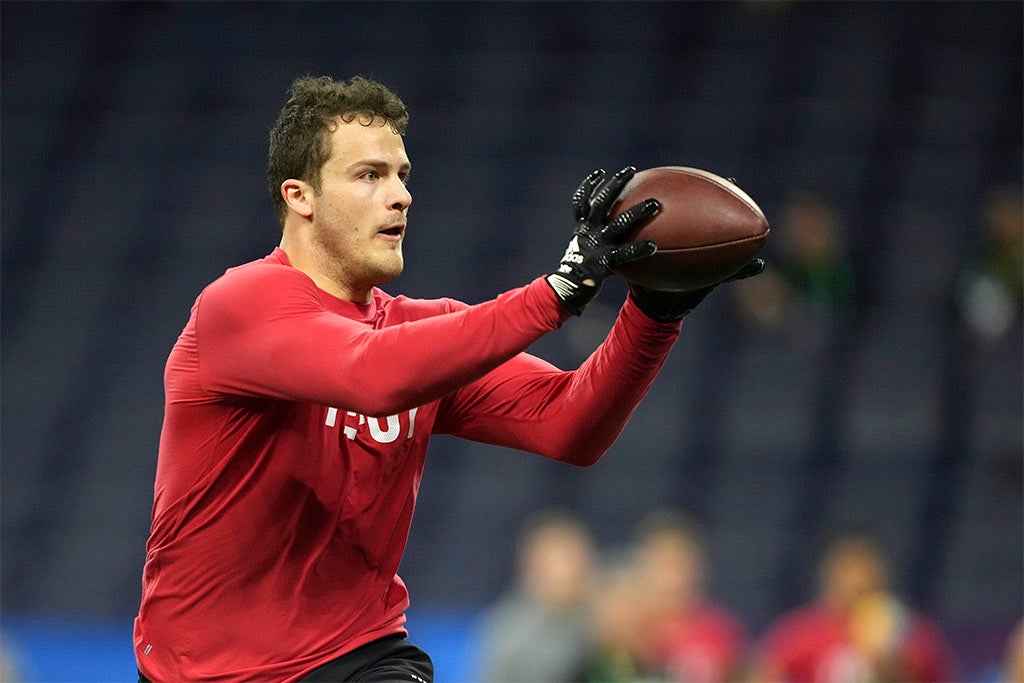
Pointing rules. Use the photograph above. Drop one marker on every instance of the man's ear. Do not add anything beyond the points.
(298, 195)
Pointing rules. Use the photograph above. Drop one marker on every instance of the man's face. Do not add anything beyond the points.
(851, 572)
(359, 215)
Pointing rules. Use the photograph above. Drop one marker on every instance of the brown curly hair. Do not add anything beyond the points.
(300, 139)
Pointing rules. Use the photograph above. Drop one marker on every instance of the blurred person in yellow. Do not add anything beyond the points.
(856, 630)
(538, 632)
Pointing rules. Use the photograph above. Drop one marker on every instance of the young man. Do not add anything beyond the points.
(300, 398)
(857, 629)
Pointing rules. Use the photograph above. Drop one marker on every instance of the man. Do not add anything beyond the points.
(691, 636)
(857, 629)
(653, 617)
(300, 398)
(539, 630)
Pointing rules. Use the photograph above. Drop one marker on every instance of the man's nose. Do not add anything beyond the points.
(402, 198)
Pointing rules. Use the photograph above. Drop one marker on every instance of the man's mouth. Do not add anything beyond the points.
(392, 230)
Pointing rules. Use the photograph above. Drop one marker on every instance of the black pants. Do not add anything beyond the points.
(388, 660)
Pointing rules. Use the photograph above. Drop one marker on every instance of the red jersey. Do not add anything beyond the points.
(706, 646)
(294, 436)
(813, 645)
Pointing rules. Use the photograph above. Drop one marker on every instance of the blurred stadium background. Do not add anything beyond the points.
(133, 152)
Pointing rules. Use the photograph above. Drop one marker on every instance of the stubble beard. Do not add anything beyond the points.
(369, 267)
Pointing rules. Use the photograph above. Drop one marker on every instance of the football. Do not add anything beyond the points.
(707, 229)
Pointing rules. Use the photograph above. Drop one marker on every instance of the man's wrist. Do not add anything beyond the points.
(664, 307)
(574, 296)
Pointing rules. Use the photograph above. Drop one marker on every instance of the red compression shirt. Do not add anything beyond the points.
(294, 435)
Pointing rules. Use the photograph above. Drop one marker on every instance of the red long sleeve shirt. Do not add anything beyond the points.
(294, 436)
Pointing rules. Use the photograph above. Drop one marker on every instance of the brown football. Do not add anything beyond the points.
(707, 229)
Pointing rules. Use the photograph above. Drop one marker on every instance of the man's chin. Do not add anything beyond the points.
(386, 276)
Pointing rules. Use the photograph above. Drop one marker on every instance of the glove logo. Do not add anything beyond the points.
(572, 256)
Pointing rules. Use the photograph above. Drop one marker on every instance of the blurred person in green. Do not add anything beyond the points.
(990, 292)
(810, 290)
(692, 637)
(653, 617)
(620, 650)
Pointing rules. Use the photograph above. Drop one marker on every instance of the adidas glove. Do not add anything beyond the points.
(667, 307)
(596, 245)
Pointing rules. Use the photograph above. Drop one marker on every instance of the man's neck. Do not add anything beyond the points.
(301, 259)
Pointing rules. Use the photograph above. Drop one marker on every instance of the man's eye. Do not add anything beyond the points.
(371, 175)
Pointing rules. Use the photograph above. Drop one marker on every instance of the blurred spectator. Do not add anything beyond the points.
(539, 631)
(1013, 668)
(991, 288)
(621, 648)
(857, 629)
(692, 638)
(10, 671)
(653, 619)
(809, 287)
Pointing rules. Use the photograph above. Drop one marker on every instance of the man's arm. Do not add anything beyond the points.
(574, 416)
(263, 331)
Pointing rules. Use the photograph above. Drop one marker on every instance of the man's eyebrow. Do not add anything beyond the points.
(380, 164)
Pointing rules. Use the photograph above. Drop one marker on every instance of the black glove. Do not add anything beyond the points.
(595, 248)
(668, 307)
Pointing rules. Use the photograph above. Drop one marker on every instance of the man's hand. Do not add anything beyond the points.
(667, 307)
(596, 246)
